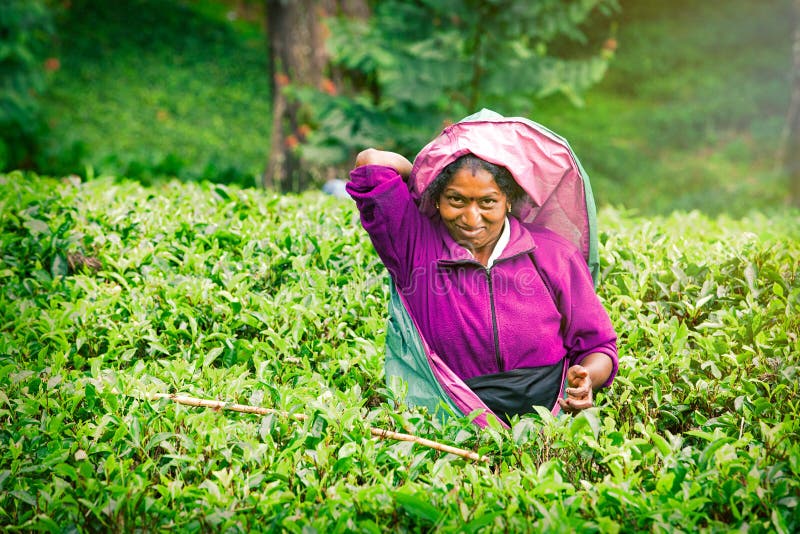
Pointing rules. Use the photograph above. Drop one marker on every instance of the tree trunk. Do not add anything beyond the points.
(792, 146)
(297, 56)
(296, 47)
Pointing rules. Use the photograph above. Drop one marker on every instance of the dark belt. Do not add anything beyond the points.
(515, 392)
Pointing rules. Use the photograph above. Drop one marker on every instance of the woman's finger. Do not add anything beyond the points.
(578, 393)
(573, 405)
(565, 406)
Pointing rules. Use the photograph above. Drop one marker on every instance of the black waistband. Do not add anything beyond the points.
(515, 392)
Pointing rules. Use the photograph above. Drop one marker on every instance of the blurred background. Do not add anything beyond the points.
(669, 105)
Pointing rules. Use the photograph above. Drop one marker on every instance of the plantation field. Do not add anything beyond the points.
(112, 293)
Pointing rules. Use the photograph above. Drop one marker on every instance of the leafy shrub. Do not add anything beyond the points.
(244, 296)
(414, 66)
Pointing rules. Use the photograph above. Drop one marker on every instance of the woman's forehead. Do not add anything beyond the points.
(479, 182)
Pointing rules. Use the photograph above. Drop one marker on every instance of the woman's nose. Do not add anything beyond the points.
(472, 215)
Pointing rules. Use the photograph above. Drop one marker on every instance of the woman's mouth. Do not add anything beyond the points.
(470, 233)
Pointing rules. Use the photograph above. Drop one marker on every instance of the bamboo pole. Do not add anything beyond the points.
(376, 432)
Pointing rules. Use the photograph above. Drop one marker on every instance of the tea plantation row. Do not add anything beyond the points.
(111, 292)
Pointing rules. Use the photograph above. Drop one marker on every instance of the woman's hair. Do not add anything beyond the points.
(505, 181)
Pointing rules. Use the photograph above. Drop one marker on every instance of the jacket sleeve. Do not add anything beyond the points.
(586, 325)
(390, 216)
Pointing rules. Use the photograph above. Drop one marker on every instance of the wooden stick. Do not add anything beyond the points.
(376, 432)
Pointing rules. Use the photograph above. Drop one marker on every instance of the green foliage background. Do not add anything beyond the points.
(240, 295)
(149, 89)
(25, 33)
(414, 66)
(692, 111)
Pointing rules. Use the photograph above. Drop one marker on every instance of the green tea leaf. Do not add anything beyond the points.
(37, 227)
(417, 506)
(59, 267)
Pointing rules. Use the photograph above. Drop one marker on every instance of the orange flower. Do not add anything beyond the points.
(329, 87)
(303, 130)
(610, 44)
(291, 141)
(281, 79)
(52, 64)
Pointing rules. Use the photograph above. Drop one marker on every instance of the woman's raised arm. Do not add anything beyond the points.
(372, 156)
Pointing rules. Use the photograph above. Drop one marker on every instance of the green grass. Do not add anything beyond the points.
(245, 296)
(150, 89)
(691, 112)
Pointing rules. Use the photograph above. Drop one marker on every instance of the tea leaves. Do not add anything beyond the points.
(245, 297)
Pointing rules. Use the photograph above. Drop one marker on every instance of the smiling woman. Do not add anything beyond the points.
(473, 198)
(505, 309)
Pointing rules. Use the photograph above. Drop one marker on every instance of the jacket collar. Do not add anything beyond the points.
(520, 242)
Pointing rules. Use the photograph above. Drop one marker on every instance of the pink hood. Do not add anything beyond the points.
(558, 193)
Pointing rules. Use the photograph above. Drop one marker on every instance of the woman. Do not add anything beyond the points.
(510, 308)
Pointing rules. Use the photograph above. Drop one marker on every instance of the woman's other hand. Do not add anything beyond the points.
(579, 390)
(583, 379)
(372, 156)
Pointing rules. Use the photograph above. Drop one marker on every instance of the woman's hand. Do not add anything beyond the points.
(579, 390)
(583, 379)
(372, 156)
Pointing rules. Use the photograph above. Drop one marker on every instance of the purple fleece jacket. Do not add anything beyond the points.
(482, 321)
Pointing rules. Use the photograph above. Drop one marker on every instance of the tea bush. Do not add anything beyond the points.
(111, 292)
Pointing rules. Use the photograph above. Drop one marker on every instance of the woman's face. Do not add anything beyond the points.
(474, 209)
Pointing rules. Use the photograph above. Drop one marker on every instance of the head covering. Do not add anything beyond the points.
(558, 193)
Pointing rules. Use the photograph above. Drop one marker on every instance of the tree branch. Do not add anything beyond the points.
(376, 432)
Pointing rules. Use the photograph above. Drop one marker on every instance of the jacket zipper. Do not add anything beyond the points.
(495, 330)
(495, 333)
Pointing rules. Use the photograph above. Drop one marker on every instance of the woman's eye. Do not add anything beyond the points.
(488, 202)
(455, 200)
